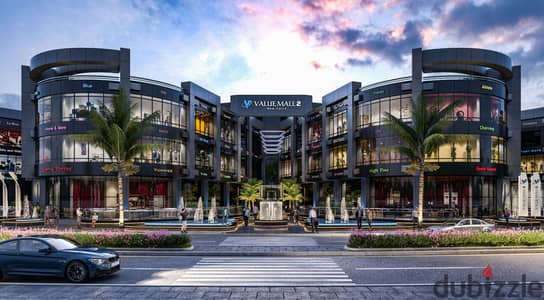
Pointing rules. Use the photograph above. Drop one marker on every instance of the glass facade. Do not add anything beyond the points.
(44, 110)
(463, 148)
(285, 168)
(338, 157)
(314, 133)
(314, 163)
(532, 163)
(204, 123)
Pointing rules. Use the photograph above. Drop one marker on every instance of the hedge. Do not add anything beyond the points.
(422, 239)
(116, 239)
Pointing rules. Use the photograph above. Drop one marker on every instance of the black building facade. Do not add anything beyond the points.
(335, 148)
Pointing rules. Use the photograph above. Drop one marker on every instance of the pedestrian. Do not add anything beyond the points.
(246, 217)
(255, 212)
(297, 214)
(94, 219)
(225, 215)
(46, 215)
(183, 214)
(507, 216)
(79, 213)
(414, 218)
(359, 216)
(369, 218)
(313, 220)
(55, 216)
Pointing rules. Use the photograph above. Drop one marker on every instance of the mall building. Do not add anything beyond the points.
(334, 146)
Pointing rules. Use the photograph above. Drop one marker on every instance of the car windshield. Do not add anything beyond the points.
(61, 244)
(450, 223)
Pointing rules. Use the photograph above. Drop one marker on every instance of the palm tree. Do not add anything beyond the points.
(119, 134)
(421, 137)
(291, 191)
(251, 191)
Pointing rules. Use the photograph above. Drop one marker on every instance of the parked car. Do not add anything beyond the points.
(54, 256)
(471, 224)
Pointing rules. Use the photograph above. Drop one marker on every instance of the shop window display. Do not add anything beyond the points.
(338, 157)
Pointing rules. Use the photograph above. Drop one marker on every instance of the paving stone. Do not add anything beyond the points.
(243, 295)
(257, 289)
(323, 295)
(307, 289)
(217, 295)
(296, 295)
(270, 295)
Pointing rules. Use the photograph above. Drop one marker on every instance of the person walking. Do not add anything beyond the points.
(313, 220)
(255, 212)
(369, 218)
(359, 216)
(414, 219)
(297, 214)
(183, 214)
(79, 213)
(246, 217)
(46, 215)
(94, 219)
(507, 213)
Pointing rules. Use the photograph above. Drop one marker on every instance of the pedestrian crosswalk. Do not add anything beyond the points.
(237, 241)
(269, 271)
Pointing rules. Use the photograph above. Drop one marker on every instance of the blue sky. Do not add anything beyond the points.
(284, 46)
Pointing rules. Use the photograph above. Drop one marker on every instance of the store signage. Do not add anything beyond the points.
(487, 87)
(485, 169)
(203, 174)
(533, 150)
(55, 128)
(56, 169)
(487, 128)
(340, 105)
(158, 170)
(86, 85)
(227, 176)
(163, 131)
(376, 171)
(378, 92)
(314, 117)
(271, 105)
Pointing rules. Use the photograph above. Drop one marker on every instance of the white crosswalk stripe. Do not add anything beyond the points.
(272, 271)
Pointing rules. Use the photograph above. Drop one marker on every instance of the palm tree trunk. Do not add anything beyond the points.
(120, 199)
(421, 190)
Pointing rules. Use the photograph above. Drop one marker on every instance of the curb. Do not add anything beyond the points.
(348, 252)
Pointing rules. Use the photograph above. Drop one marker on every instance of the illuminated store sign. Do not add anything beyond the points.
(487, 87)
(55, 128)
(485, 169)
(271, 105)
(56, 169)
(487, 128)
(376, 171)
(157, 170)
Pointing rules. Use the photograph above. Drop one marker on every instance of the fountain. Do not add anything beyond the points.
(329, 216)
(26, 208)
(199, 213)
(271, 211)
(344, 215)
(212, 213)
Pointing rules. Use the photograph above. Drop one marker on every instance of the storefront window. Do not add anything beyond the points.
(498, 150)
(314, 164)
(149, 194)
(338, 157)
(227, 131)
(44, 152)
(147, 106)
(286, 144)
(337, 123)
(532, 163)
(285, 168)
(44, 110)
(204, 124)
(498, 114)
(463, 148)
(227, 163)
(204, 158)
(314, 133)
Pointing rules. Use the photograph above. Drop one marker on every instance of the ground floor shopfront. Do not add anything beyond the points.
(444, 195)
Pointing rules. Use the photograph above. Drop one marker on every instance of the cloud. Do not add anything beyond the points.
(316, 65)
(12, 101)
(355, 62)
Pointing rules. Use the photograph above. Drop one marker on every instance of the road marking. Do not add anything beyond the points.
(150, 269)
(276, 271)
(268, 242)
(418, 268)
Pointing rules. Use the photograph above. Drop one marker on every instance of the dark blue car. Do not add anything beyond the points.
(52, 256)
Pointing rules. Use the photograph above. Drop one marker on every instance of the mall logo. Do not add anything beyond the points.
(247, 103)
(489, 288)
(271, 104)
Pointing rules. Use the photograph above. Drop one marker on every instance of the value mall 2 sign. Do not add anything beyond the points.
(271, 105)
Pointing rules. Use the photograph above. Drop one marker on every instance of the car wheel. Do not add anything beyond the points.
(76, 272)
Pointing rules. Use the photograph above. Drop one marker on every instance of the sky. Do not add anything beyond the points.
(272, 47)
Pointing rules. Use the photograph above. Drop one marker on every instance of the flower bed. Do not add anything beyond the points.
(422, 239)
(118, 239)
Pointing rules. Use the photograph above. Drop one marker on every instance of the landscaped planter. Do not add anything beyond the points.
(118, 239)
(423, 239)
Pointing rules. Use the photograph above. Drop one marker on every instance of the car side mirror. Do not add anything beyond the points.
(45, 250)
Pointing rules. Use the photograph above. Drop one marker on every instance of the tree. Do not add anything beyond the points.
(251, 191)
(291, 191)
(421, 137)
(119, 134)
